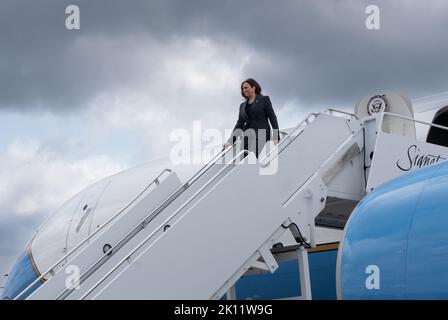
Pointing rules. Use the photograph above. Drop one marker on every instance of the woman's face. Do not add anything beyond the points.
(248, 91)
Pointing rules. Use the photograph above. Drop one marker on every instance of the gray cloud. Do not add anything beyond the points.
(128, 59)
(319, 52)
(35, 179)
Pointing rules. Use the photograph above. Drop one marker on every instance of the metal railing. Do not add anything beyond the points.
(147, 220)
(410, 119)
(162, 206)
(54, 268)
(106, 256)
(162, 226)
(281, 143)
(332, 111)
(209, 164)
(305, 122)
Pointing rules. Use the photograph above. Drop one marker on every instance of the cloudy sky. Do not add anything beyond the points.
(79, 105)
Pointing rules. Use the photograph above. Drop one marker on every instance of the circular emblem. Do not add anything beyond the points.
(376, 104)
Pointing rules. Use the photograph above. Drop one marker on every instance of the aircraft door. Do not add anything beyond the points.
(82, 217)
(437, 135)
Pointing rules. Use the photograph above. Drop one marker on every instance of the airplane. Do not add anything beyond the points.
(353, 211)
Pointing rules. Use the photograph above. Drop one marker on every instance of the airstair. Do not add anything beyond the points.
(195, 240)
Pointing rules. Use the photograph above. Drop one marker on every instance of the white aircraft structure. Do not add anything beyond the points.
(288, 225)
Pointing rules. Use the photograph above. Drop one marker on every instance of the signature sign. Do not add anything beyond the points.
(415, 159)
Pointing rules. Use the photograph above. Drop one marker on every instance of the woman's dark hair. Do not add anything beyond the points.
(252, 83)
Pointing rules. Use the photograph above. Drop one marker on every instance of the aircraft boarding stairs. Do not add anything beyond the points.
(195, 240)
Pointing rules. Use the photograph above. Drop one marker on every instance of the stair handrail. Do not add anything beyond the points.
(182, 188)
(411, 119)
(162, 225)
(305, 121)
(52, 271)
(67, 291)
(330, 111)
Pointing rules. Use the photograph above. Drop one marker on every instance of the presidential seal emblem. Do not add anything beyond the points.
(376, 104)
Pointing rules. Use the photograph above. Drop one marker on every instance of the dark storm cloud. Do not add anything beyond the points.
(317, 51)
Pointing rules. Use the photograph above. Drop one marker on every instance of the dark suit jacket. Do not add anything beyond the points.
(260, 113)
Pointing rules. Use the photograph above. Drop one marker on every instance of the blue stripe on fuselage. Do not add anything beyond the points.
(20, 277)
